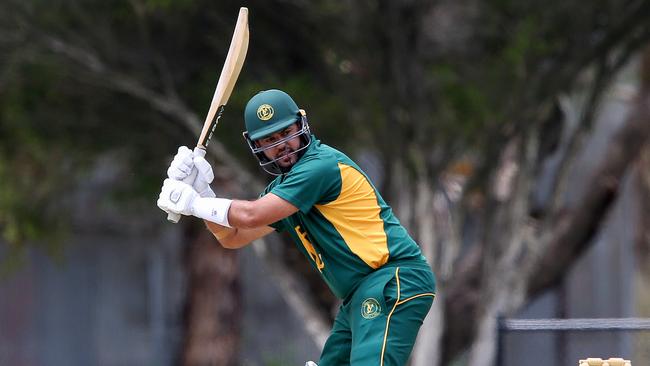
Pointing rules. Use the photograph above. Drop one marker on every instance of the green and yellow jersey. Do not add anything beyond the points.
(343, 224)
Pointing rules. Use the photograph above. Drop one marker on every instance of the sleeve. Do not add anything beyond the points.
(279, 226)
(315, 181)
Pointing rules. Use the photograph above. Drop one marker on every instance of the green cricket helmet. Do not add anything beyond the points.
(268, 112)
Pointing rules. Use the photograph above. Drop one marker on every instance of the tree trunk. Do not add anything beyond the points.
(427, 347)
(549, 251)
(213, 309)
(574, 229)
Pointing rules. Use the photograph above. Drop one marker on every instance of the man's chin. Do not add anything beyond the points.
(286, 163)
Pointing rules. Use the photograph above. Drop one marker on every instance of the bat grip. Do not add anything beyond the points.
(173, 217)
(200, 150)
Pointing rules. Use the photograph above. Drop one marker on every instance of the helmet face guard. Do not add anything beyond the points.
(271, 166)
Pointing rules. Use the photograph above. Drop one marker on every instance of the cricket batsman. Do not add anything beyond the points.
(337, 219)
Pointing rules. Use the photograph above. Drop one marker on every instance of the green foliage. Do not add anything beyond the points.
(33, 171)
(57, 115)
(169, 4)
(464, 106)
(371, 74)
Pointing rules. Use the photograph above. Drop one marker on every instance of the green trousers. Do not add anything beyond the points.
(378, 323)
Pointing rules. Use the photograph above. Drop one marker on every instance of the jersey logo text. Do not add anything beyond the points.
(315, 256)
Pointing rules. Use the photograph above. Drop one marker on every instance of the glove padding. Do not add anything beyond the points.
(205, 174)
(181, 166)
(191, 167)
(177, 197)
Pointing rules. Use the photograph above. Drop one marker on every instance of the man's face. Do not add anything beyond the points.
(282, 150)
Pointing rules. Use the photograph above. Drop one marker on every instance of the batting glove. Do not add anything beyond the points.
(311, 363)
(205, 174)
(180, 198)
(191, 167)
(182, 166)
(177, 197)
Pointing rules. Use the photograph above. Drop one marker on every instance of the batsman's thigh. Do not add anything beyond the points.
(385, 319)
(404, 324)
(336, 351)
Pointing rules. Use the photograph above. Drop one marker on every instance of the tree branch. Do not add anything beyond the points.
(169, 105)
(573, 233)
(575, 229)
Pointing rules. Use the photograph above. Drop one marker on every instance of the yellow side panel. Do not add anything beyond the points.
(355, 215)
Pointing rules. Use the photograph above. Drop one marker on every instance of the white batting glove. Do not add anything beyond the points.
(182, 165)
(177, 197)
(205, 174)
(311, 363)
(180, 198)
(191, 167)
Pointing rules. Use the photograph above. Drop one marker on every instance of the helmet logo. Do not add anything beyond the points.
(265, 112)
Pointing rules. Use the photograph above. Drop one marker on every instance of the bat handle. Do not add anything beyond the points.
(173, 217)
(200, 150)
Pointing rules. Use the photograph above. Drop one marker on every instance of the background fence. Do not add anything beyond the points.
(584, 325)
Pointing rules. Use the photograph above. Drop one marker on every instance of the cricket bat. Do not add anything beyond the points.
(229, 74)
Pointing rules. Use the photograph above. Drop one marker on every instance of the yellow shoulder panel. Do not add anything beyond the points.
(355, 215)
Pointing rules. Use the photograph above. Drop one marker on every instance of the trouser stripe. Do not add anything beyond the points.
(420, 295)
(398, 302)
(383, 347)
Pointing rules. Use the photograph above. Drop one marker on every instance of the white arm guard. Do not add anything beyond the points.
(212, 209)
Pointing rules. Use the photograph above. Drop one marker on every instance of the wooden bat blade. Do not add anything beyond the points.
(229, 74)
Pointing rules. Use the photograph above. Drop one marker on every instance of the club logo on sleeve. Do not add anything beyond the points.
(265, 112)
(370, 308)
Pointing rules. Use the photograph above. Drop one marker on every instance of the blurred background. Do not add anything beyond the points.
(509, 136)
